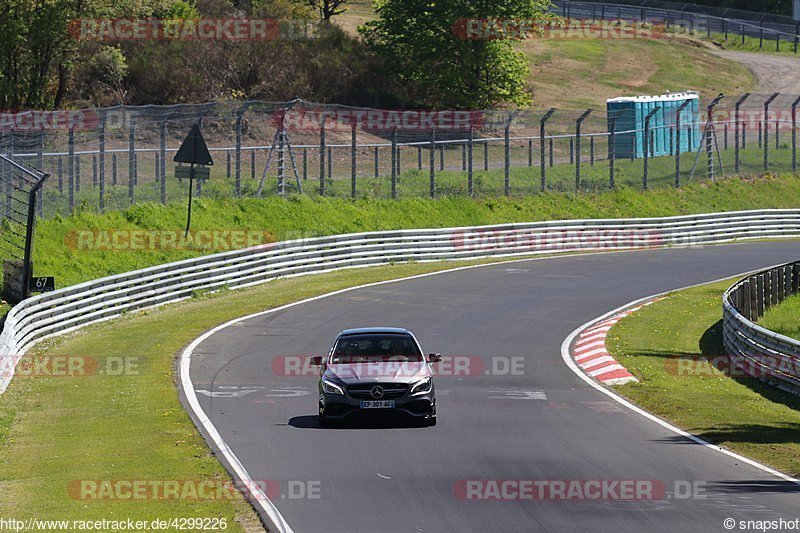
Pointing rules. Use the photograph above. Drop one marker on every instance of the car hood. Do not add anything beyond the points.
(353, 373)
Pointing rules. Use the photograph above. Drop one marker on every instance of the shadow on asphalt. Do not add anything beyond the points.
(312, 422)
(746, 486)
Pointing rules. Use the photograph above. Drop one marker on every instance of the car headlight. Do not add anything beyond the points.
(422, 386)
(331, 388)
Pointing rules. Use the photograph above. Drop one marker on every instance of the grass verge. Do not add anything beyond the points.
(59, 252)
(56, 431)
(784, 318)
(744, 415)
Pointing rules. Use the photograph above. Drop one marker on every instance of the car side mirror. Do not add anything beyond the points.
(434, 357)
(316, 360)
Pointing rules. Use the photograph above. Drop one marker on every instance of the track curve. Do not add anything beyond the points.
(543, 423)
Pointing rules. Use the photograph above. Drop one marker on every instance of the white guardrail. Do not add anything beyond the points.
(73, 307)
(757, 351)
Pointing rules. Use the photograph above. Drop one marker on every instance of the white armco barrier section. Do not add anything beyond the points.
(73, 307)
(757, 351)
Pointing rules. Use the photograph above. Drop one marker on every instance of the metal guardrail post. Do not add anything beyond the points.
(766, 129)
(543, 149)
(736, 124)
(646, 144)
(578, 124)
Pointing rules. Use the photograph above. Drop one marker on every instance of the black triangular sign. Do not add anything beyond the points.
(194, 149)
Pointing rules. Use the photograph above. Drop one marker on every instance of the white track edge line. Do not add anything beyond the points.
(566, 356)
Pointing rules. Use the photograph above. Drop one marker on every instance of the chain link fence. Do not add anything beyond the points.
(774, 31)
(110, 158)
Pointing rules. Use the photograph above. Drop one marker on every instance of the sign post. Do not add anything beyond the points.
(193, 151)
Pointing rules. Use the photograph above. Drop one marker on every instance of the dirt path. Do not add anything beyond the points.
(775, 73)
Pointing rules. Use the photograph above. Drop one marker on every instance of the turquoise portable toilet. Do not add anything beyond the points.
(631, 112)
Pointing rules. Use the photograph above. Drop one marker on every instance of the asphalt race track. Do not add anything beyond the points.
(543, 423)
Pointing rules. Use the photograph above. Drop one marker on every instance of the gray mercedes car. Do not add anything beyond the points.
(376, 371)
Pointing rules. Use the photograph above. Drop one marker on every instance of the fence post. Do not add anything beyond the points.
(794, 134)
(253, 163)
(394, 165)
(766, 129)
(507, 156)
(646, 144)
(353, 160)
(101, 136)
(486, 155)
(678, 146)
(578, 124)
(433, 163)
(322, 155)
(94, 171)
(377, 162)
(530, 152)
(131, 159)
(591, 150)
(736, 123)
(71, 168)
(114, 169)
(470, 182)
(709, 126)
(463, 157)
(77, 173)
(305, 163)
(164, 162)
(419, 157)
(60, 175)
(238, 164)
(612, 148)
(542, 147)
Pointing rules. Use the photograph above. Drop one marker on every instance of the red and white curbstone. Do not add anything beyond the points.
(590, 354)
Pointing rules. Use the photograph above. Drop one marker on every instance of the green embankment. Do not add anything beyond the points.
(670, 347)
(59, 251)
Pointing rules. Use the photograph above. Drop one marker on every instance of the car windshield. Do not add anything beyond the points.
(369, 348)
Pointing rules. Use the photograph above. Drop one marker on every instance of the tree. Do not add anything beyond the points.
(327, 8)
(419, 42)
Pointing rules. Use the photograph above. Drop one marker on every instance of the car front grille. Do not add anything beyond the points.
(390, 391)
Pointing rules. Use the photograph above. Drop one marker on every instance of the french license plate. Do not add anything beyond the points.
(377, 404)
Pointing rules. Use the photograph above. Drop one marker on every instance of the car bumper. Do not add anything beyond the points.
(339, 407)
